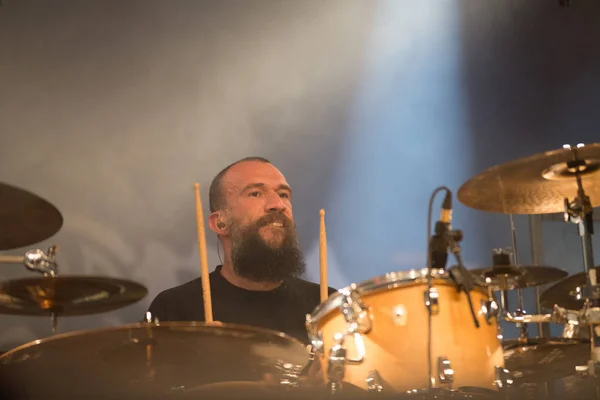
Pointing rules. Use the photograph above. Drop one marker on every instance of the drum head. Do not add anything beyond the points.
(145, 359)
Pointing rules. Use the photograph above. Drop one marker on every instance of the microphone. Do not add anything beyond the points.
(440, 240)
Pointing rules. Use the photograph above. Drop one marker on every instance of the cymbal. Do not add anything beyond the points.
(148, 358)
(564, 293)
(25, 218)
(537, 184)
(545, 359)
(508, 277)
(67, 295)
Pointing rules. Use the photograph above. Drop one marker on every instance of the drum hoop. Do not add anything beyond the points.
(390, 280)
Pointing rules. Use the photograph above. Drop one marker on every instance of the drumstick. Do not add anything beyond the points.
(323, 257)
(208, 317)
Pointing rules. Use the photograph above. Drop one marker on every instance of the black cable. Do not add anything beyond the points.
(429, 228)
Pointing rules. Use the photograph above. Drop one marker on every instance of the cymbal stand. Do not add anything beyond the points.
(520, 311)
(579, 212)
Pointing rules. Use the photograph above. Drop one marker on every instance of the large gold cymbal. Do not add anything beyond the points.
(150, 361)
(537, 184)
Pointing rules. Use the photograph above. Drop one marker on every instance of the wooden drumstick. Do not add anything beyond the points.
(208, 316)
(323, 257)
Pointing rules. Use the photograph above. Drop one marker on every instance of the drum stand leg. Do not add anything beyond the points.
(53, 322)
(520, 311)
(580, 212)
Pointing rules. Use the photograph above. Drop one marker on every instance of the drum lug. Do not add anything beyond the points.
(354, 310)
(445, 371)
(374, 382)
(148, 319)
(503, 378)
(432, 301)
(314, 335)
(490, 309)
(336, 365)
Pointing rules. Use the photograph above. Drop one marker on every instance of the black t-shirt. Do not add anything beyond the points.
(282, 309)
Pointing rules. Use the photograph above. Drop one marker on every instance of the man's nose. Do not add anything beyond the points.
(275, 203)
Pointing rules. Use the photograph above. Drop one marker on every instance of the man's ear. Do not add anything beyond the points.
(216, 223)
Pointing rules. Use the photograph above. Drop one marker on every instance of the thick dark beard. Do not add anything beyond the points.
(255, 260)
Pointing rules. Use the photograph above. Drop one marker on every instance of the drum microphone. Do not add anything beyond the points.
(446, 240)
(443, 227)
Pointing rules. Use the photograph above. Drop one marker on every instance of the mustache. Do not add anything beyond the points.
(271, 218)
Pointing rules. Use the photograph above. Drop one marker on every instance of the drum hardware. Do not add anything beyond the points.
(580, 212)
(355, 312)
(36, 260)
(374, 382)
(446, 240)
(432, 298)
(571, 331)
(490, 309)
(338, 358)
(336, 364)
(504, 379)
(520, 311)
(445, 371)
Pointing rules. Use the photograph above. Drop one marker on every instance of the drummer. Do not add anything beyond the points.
(259, 282)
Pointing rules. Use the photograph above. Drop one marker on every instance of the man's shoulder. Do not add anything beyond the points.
(189, 288)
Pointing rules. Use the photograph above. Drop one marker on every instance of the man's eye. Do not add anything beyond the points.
(254, 194)
(284, 195)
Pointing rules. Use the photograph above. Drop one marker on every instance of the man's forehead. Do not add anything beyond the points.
(252, 172)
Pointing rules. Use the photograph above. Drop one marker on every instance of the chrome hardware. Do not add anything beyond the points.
(148, 318)
(354, 310)
(315, 336)
(432, 301)
(503, 378)
(290, 373)
(588, 370)
(570, 331)
(37, 260)
(490, 309)
(399, 315)
(374, 382)
(445, 371)
(336, 365)
(335, 387)
(559, 315)
(359, 345)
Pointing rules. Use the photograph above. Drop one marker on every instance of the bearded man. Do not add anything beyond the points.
(259, 282)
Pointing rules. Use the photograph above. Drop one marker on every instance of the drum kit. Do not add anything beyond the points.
(432, 332)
